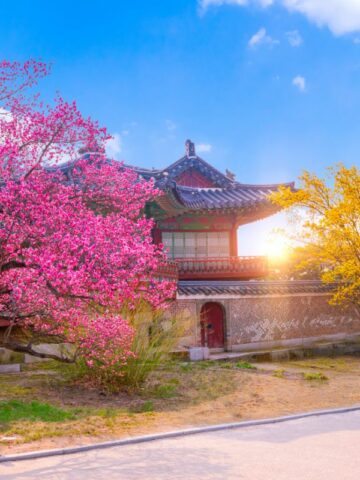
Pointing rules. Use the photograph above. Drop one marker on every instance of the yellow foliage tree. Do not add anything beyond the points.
(329, 236)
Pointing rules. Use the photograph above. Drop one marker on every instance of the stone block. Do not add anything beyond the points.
(51, 348)
(197, 354)
(10, 368)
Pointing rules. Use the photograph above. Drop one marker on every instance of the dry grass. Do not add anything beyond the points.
(179, 395)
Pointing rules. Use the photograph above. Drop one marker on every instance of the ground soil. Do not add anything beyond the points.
(178, 396)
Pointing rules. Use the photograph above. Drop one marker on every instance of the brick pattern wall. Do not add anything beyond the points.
(275, 318)
(284, 318)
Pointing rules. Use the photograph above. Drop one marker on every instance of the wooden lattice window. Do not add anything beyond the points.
(196, 244)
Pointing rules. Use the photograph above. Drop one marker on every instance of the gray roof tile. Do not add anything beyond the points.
(236, 287)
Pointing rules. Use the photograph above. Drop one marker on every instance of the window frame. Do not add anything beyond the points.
(206, 244)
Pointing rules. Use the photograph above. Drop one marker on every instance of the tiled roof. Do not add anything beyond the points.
(227, 195)
(186, 163)
(183, 164)
(232, 197)
(239, 288)
(247, 200)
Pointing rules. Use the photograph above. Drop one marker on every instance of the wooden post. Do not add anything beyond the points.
(233, 242)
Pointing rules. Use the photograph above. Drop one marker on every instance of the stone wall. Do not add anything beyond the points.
(274, 320)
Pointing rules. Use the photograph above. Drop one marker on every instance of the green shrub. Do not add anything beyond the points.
(157, 333)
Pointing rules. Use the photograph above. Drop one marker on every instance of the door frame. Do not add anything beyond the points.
(224, 324)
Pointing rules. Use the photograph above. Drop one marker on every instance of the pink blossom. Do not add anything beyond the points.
(74, 240)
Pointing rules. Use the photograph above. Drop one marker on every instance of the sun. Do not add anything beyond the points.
(276, 247)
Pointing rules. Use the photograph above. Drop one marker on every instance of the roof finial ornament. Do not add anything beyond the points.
(230, 175)
(190, 149)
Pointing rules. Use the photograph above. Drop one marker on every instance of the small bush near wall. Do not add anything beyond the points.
(157, 335)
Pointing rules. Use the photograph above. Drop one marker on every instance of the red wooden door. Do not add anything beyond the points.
(212, 325)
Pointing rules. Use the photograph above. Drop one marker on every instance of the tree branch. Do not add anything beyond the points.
(43, 153)
(66, 295)
(16, 347)
(12, 264)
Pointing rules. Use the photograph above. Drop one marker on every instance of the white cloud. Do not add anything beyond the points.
(294, 38)
(203, 147)
(204, 4)
(340, 16)
(300, 83)
(114, 146)
(170, 125)
(261, 38)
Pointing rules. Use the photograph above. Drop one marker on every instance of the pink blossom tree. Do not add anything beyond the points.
(75, 246)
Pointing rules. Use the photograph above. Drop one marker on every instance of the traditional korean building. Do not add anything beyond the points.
(199, 214)
(224, 294)
(224, 297)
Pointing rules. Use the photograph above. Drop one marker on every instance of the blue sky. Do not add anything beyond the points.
(265, 88)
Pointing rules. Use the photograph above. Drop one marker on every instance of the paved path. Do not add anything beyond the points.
(316, 448)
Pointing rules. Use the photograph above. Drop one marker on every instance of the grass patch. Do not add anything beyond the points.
(44, 365)
(14, 410)
(204, 364)
(12, 390)
(245, 365)
(100, 412)
(168, 390)
(226, 365)
(310, 376)
(279, 373)
(186, 366)
(145, 407)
